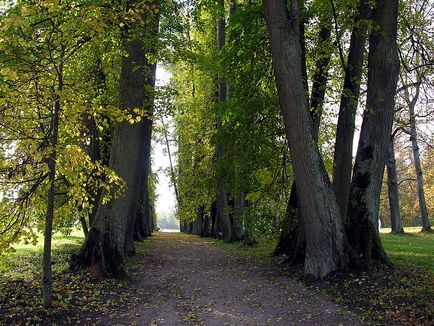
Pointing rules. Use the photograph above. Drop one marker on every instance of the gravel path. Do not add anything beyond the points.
(185, 280)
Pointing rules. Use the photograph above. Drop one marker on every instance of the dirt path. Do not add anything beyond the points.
(186, 280)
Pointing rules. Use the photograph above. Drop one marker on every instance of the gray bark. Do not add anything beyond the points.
(417, 165)
(325, 250)
(343, 156)
(393, 192)
(383, 67)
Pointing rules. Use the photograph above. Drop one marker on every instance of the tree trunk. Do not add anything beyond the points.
(325, 250)
(222, 198)
(292, 240)
(383, 67)
(214, 220)
(83, 222)
(417, 166)
(319, 82)
(343, 156)
(105, 246)
(47, 278)
(142, 226)
(172, 170)
(392, 185)
(238, 218)
(91, 146)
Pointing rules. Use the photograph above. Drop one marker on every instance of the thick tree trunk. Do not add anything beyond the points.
(393, 193)
(383, 67)
(343, 156)
(206, 224)
(325, 250)
(143, 226)
(105, 246)
(292, 242)
(238, 218)
(214, 220)
(224, 221)
(416, 156)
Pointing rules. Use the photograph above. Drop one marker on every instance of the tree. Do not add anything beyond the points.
(343, 154)
(325, 246)
(383, 68)
(393, 193)
(110, 236)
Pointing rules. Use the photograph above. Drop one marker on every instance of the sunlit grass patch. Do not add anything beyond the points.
(411, 249)
(26, 260)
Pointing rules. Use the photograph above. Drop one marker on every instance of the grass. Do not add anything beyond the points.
(410, 248)
(262, 250)
(26, 260)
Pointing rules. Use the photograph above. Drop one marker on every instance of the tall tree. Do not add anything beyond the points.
(411, 102)
(325, 249)
(343, 155)
(393, 192)
(383, 68)
(224, 222)
(107, 243)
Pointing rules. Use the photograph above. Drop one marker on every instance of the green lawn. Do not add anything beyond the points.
(27, 259)
(412, 248)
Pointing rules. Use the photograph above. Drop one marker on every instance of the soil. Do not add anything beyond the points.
(186, 280)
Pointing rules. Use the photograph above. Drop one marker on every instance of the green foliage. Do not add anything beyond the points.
(65, 54)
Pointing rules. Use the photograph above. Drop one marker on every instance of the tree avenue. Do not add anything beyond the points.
(259, 120)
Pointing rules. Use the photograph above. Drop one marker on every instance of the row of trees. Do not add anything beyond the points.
(244, 171)
(252, 97)
(76, 102)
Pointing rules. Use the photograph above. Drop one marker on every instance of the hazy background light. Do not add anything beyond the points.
(166, 203)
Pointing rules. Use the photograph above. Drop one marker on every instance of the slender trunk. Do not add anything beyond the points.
(393, 193)
(172, 170)
(343, 156)
(417, 165)
(383, 68)
(47, 278)
(325, 250)
(319, 82)
(83, 222)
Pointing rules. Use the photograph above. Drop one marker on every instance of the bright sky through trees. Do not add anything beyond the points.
(165, 204)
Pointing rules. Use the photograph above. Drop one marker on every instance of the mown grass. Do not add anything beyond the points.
(410, 248)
